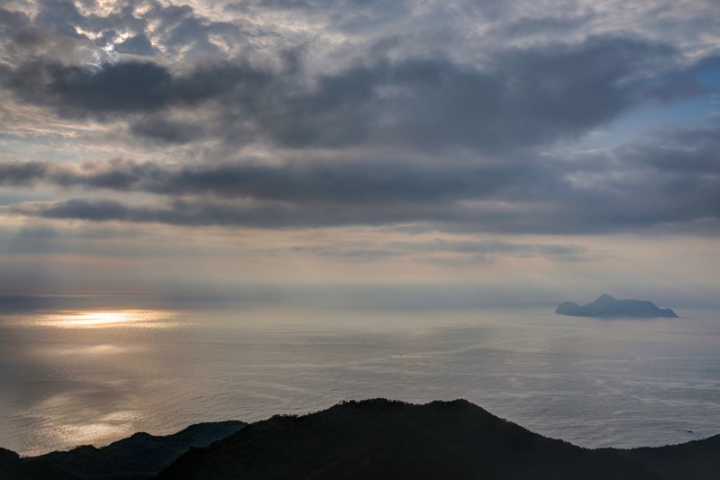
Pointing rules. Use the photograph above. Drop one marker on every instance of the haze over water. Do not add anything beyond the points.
(73, 378)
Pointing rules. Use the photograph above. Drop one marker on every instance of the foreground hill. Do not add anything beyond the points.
(606, 306)
(12, 467)
(381, 439)
(372, 439)
(696, 460)
(138, 457)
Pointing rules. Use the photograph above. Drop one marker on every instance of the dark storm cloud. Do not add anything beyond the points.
(583, 218)
(671, 179)
(19, 34)
(685, 153)
(680, 171)
(137, 45)
(167, 131)
(525, 97)
(13, 23)
(502, 110)
(127, 87)
(22, 173)
(522, 98)
(333, 182)
(61, 16)
(206, 213)
(555, 219)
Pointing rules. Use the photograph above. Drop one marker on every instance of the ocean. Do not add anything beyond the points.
(69, 378)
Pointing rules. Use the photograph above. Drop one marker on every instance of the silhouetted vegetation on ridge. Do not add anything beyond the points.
(696, 460)
(138, 457)
(12, 467)
(369, 439)
(381, 439)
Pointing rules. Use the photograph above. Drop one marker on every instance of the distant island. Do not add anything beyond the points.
(608, 307)
(369, 439)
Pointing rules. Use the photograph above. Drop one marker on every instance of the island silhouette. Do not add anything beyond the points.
(608, 307)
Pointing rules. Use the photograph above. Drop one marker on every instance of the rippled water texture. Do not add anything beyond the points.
(74, 378)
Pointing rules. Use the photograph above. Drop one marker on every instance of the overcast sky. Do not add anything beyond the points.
(516, 150)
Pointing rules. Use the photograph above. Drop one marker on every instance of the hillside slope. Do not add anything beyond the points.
(696, 460)
(138, 457)
(381, 439)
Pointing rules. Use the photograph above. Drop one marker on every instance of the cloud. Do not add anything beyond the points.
(460, 136)
(502, 96)
(61, 16)
(22, 173)
(528, 26)
(669, 180)
(441, 251)
(208, 212)
(350, 182)
(137, 45)
(164, 130)
(127, 87)
(523, 97)
(155, 26)
(350, 16)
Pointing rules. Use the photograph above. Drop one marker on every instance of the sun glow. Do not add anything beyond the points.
(100, 319)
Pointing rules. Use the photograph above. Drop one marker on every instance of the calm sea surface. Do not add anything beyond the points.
(73, 378)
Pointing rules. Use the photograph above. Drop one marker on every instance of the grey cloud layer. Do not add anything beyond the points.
(128, 27)
(169, 75)
(672, 180)
(523, 97)
(340, 182)
(127, 87)
(466, 250)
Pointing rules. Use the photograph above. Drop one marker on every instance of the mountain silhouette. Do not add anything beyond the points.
(382, 439)
(12, 467)
(369, 439)
(138, 457)
(696, 460)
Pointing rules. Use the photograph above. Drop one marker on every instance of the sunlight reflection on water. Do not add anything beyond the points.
(105, 319)
(75, 378)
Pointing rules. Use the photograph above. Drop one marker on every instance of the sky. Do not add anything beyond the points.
(412, 153)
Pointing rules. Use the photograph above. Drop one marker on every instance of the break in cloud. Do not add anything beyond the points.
(498, 118)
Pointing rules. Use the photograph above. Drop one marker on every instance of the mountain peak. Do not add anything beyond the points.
(395, 440)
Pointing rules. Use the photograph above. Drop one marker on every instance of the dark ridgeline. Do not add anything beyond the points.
(12, 467)
(607, 307)
(371, 439)
(138, 457)
(381, 439)
(696, 460)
